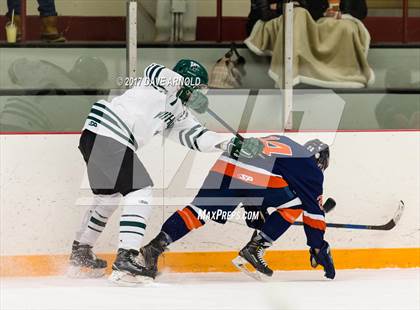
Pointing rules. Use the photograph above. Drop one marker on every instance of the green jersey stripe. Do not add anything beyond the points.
(156, 79)
(188, 136)
(110, 128)
(124, 125)
(155, 87)
(181, 134)
(198, 136)
(105, 116)
(169, 116)
(119, 120)
(173, 102)
(150, 67)
(153, 80)
(150, 74)
(102, 115)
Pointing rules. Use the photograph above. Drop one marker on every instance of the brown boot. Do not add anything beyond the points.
(49, 31)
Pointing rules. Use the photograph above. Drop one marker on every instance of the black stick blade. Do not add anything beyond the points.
(329, 205)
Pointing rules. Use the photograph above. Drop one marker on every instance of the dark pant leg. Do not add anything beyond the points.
(99, 182)
(13, 5)
(288, 210)
(218, 197)
(112, 167)
(213, 201)
(103, 159)
(314, 225)
(46, 8)
(132, 176)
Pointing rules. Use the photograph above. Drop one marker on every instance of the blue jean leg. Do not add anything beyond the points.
(13, 5)
(45, 8)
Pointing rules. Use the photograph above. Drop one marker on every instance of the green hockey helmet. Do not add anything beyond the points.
(195, 77)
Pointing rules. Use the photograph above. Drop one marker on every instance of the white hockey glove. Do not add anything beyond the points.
(198, 101)
(248, 148)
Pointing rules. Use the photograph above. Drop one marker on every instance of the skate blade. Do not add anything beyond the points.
(122, 278)
(78, 272)
(242, 264)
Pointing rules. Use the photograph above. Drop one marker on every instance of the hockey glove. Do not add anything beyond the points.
(197, 101)
(248, 148)
(323, 258)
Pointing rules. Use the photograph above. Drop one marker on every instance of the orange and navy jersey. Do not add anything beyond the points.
(285, 177)
(248, 173)
(284, 163)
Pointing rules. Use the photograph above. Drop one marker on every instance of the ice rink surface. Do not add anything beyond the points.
(352, 289)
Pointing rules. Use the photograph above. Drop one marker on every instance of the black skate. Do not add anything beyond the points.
(128, 271)
(153, 250)
(253, 253)
(84, 263)
(323, 258)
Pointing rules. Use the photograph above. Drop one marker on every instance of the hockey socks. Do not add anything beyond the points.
(181, 223)
(136, 211)
(96, 217)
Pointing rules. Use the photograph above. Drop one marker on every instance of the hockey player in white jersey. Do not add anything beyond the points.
(112, 133)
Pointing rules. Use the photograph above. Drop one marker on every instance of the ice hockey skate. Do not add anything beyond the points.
(253, 254)
(84, 263)
(127, 270)
(151, 252)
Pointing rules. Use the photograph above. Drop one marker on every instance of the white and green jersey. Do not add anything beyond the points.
(148, 109)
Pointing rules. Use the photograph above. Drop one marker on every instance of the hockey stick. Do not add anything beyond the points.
(224, 124)
(387, 226)
(328, 206)
(227, 126)
(249, 107)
